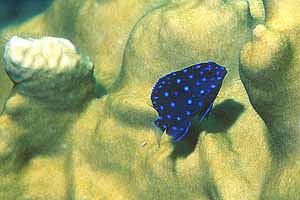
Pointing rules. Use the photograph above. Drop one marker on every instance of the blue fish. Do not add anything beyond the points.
(181, 95)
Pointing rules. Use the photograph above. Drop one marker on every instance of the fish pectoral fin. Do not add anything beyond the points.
(158, 132)
(206, 113)
(179, 130)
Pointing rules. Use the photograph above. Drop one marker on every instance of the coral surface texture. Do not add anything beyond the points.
(76, 120)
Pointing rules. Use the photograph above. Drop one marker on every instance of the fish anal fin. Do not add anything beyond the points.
(179, 130)
(206, 113)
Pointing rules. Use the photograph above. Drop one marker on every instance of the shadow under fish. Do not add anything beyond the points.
(221, 118)
(181, 95)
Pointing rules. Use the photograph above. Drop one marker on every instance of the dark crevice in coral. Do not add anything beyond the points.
(211, 191)
(267, 9)
(99, 90)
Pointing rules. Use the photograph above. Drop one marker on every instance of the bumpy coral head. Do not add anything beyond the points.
(46, 67)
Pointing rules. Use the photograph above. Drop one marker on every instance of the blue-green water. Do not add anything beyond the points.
(15, 11)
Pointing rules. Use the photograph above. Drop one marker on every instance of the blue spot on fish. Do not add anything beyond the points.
(186, 88)
(161, 107)
(200, 103)
(185, 96)
(172, 104)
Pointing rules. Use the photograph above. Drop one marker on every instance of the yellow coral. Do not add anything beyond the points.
(105, 148)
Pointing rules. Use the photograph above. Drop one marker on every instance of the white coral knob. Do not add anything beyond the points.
(46, 66)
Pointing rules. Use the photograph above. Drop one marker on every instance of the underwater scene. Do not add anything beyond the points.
(150, 100)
